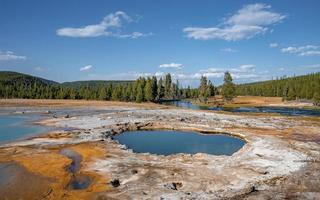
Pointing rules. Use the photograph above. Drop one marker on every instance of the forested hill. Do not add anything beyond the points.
(8, 77)
(94, 83)
(297, 87)
(19, 85)
(15, 78)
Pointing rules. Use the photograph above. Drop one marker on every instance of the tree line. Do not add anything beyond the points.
(141, 90)
(154, 90)
(291, 88)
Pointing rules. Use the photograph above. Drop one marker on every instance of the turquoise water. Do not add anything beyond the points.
(13, 127)
(172, 142)
(261, 109)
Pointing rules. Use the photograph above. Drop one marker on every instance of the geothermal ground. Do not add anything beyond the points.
(79, 160)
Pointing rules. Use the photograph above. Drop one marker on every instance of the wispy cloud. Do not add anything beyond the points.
(9, 55)
(130, 75)
(307, 68)
(109, 26)
(308, 50)
(243, 73)
(229, 50)
(40, 69)
(86, 68)
(312, 67)
(273, 45)
(249, 21)
(171, 65)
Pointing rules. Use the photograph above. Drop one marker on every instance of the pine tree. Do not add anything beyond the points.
(316, 99)
(148, 90)
(161, 90)
(116, 93)
(203, 92)
(73, 94)
(139, 95)
(154, 88)
(140, 84)
(211, 89)
(128, 92)
(109, 91)
(291, 94)
(102, 93)
(167, 86)
(228, 88)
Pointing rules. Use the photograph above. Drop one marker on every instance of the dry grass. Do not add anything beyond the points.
(257, 100)
(252, 101)
(70, 103)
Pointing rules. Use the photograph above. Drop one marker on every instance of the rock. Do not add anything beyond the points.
(134, 171)
(173, 185)
(115, 183)
(177, 184)
(67, 116)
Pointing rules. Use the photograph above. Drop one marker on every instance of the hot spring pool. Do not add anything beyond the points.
(164, 142)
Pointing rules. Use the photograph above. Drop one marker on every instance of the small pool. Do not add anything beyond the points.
(13, 127)
(163, 142)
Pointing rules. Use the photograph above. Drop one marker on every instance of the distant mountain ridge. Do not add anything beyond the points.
(10, 77)
(94, 83)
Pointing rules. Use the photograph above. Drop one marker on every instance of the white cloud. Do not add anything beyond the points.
(131, 75)
(109, 26)
(312, 67)
(229, 50)
(274, 45)
(241, 73)
(171, 65)
(308, 50)
(244, 69)
(133, 35)
(310, 53)
(86, 68)
(251, 20)
(9, 55)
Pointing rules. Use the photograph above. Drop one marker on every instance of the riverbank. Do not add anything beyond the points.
(280, 159)
(254, 101)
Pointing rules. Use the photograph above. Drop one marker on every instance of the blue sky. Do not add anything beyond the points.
(84, 40)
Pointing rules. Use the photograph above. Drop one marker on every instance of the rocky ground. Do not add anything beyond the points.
(281, 159)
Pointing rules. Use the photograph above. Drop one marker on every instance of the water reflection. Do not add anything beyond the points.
(172, 142)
